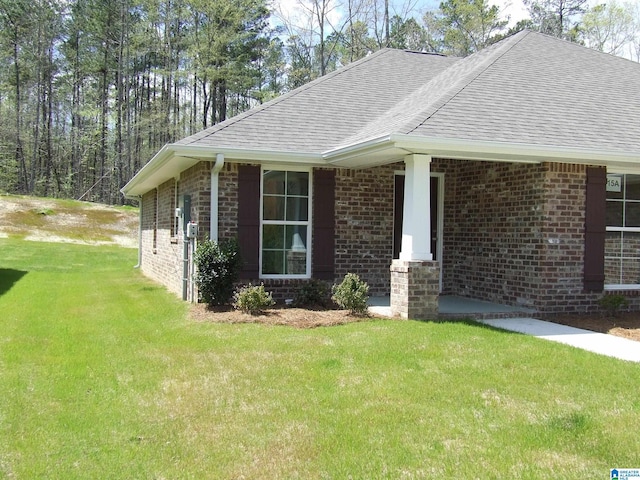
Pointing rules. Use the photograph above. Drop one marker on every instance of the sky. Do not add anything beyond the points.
(515, 9)
(295, 12)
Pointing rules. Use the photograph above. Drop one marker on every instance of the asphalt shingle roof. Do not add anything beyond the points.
(319, 115)
(527, 89)
(545, 91)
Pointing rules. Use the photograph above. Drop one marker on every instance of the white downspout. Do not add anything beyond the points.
(215, 170)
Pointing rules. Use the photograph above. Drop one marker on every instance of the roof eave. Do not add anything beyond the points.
(173, 159)
(368, 153)
(517, 152)
(132, 189)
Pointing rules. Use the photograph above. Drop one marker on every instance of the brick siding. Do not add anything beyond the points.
(164, 263)
(364, 225)
(363, 230)
(513, 233)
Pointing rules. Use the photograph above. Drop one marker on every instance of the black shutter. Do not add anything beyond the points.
(249, 220)
(595, 229)
(323, 258)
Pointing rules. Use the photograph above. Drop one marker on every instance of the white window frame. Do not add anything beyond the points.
(308, 223)
(621, 286)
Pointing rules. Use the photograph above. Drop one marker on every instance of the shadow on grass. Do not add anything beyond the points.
(9, 277)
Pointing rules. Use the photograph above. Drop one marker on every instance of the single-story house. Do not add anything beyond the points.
(511, 175)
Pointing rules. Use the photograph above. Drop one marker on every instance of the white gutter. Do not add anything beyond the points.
(176, 156)
(213, 227)
(484, 150)
(359, 149)
(209, 152)
(152, 166)
(515, 152)
(162, 161)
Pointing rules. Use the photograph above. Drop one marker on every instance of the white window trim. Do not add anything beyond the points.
(308, 223)
(623, 286)
(624, 229)
(615, 287)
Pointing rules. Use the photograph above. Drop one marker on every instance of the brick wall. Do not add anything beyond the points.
(514, 234)
(561, 268)
(364, 225)
(363, 229)
(162, 247)
(228, 201)
(491, 236)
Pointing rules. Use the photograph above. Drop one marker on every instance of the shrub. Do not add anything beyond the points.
(351, 294)
(313, 293)
(252, 299)
(218, 268)
(613, 303)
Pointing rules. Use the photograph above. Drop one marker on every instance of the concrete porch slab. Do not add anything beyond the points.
(450, 306)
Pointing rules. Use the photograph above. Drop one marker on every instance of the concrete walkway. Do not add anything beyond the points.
(601, 343)
(487, 313)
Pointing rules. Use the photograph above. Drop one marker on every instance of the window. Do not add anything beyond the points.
(175, 219)
(622, 244)
(285, 226)
(155, 220)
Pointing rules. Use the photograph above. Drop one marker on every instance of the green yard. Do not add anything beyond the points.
(103, 375)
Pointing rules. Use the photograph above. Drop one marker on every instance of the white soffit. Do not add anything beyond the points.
(173, 159)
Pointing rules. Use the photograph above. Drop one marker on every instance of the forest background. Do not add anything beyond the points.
(90, 90)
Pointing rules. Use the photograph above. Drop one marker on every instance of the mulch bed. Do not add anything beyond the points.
(624, 324)
(290, 316)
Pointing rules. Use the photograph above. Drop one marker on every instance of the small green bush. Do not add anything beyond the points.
(252, 299)
(218, 268)
(351, 294)
(314, 293)
(613, 303)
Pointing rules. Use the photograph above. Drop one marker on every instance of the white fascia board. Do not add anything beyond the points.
(481, 151)
(204, 152)
(516, 152)
(174, 158)
(160, 169)
(347, 152)
(156, 163)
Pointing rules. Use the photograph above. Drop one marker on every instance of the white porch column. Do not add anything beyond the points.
(416, 220)
(415, 276)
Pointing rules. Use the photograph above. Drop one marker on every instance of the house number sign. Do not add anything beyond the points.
(614, 183)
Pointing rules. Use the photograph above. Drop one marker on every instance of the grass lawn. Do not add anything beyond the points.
(103, 375)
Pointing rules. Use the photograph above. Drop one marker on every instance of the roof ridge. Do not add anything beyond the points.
(280, 98)
(400, 119)
(500, 49)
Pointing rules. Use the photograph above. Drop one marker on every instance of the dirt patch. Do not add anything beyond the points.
(624, 324)
(293, 317)
(67, 221)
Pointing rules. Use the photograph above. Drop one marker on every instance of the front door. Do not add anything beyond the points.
(437, 181)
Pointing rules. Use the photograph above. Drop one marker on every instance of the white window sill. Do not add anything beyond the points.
(621, 287)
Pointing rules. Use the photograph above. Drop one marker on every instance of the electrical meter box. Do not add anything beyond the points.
(185, 210)
(192, 230)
